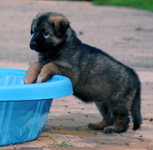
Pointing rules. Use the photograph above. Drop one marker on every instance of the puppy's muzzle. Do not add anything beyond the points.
(33, 45)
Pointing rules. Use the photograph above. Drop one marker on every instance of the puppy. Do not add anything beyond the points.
(96, 76)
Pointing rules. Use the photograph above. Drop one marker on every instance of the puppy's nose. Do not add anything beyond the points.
(33, 45)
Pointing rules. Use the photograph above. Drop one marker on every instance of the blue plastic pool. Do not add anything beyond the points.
(24, 108)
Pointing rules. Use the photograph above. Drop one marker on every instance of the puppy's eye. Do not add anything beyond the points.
(46, 35)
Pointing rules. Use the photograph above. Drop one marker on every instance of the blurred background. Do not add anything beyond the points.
(121, 28)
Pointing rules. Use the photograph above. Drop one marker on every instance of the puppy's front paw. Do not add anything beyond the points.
(32, 73)
(43, 77)
(47, 72)
(28, 79)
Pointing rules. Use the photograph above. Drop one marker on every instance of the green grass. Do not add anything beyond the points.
(138, 4)
(64, 143)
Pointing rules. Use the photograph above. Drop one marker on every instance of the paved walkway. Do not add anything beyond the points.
(124, 33)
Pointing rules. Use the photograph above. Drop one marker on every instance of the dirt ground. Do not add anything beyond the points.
(124, 33)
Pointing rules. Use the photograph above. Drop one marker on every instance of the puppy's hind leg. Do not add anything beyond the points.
(121, 118)
(107, 119)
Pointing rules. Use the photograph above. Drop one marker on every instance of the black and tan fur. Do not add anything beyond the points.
(96, 76)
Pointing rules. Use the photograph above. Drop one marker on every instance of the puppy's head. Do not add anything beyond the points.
(48, 31)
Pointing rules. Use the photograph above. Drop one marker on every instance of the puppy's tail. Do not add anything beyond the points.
(136, 109)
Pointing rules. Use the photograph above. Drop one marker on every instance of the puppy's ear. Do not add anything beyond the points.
(33, 24)
(60, 24)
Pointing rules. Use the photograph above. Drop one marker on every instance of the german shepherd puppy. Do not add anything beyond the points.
(96, 76)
